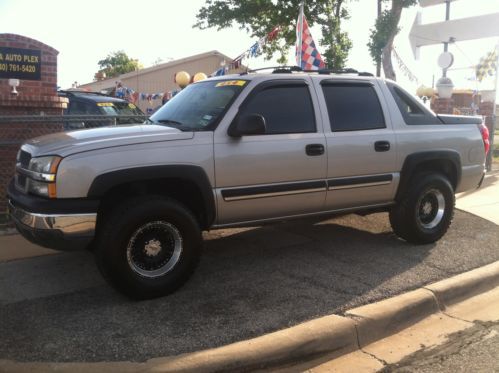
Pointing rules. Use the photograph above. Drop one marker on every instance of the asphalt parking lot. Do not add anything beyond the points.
(249, 282)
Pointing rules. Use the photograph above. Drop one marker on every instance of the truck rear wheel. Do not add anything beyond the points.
(148, 247)
(425, 213)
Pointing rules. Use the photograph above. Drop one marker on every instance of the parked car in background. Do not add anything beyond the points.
(93, 103)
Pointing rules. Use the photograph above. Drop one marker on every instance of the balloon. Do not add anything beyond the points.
(424, 91)
(182, 78)
(429, 92)
(199, 76)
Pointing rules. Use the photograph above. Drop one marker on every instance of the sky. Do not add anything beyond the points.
(85, 32)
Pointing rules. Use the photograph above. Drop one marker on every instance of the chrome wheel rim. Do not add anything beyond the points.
(154, 249)
(431, 208)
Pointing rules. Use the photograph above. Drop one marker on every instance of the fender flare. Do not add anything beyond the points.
(195, 174)
(413, 160)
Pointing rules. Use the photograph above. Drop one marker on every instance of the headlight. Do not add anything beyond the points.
(39, 187)
(42, 174)
(44, 165)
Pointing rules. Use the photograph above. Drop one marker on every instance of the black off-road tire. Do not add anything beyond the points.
(144, 230)
(415, 218)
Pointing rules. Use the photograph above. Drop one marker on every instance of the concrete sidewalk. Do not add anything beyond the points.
(483, 202)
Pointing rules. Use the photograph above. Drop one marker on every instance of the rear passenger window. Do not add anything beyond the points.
(412, 111)
(286, 108)
(353, 107)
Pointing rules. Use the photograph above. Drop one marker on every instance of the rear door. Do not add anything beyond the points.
(280, 173)
(360, 144)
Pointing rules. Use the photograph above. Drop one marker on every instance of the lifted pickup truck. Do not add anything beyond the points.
(243, 150)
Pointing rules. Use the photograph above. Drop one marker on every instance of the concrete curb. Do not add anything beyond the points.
(327, 335)
(330, 335)
(379, 320)
(465, 285)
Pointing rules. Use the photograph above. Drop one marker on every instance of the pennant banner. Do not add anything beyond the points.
(133, 96)
(403, 67)
(487, 66)
(253, 51)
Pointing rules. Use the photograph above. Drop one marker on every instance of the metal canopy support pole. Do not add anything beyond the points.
(446, 44)
(299, 35)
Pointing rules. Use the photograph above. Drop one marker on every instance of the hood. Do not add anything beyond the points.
(66, 143)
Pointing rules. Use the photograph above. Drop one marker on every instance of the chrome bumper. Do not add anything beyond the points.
(57, 231)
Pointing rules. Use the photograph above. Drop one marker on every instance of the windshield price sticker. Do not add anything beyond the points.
(132, 106)
(105, 104)
(18, 63)
(231, 82)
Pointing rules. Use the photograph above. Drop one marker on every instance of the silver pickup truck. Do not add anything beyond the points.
(243, 150)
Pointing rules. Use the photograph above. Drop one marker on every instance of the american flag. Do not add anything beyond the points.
(307, 55)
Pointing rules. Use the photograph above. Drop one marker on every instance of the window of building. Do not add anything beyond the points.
(353, 106)
(286, 108)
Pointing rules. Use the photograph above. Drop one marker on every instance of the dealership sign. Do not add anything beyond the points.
(19, 63)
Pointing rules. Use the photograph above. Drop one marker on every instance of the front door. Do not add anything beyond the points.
(281, 172)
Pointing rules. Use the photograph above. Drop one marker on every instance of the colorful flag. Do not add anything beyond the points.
(487, 65)
(307, 55)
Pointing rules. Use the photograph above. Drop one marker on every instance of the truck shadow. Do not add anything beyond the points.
(250, 281)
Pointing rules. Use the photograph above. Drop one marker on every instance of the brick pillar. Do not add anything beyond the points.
(442, 105)
(35, 65)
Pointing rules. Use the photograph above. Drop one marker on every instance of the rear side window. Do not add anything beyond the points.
(353, 107)
(286, 108)
(412, 111)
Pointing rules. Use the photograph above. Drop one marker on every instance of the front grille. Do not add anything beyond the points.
(24, 158)
(21, 180)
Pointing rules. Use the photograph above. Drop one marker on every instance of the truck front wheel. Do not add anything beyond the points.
(148, 247)
(425, 213)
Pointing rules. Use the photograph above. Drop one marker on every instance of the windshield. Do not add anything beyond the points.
(199, 106)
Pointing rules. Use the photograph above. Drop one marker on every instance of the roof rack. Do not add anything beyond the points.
(292, 69)
(77, 92)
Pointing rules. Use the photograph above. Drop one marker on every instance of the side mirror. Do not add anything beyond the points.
(250, 124)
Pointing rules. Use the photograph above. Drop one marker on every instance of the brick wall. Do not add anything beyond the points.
(36, 97)
(442, 105)
(47, 85)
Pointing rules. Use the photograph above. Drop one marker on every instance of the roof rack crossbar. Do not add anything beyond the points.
(75, 92)
(291, 69)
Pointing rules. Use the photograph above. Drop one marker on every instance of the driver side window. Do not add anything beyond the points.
(286, 108)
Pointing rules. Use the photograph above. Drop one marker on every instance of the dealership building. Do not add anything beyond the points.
(151, 82)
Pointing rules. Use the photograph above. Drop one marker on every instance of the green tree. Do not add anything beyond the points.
(383, 34)
(259, 17)
(117, 63)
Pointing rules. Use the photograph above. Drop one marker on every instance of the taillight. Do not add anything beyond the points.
(485, 136)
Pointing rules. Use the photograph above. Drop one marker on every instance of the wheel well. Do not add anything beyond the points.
(183, 191)
(442, 166)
